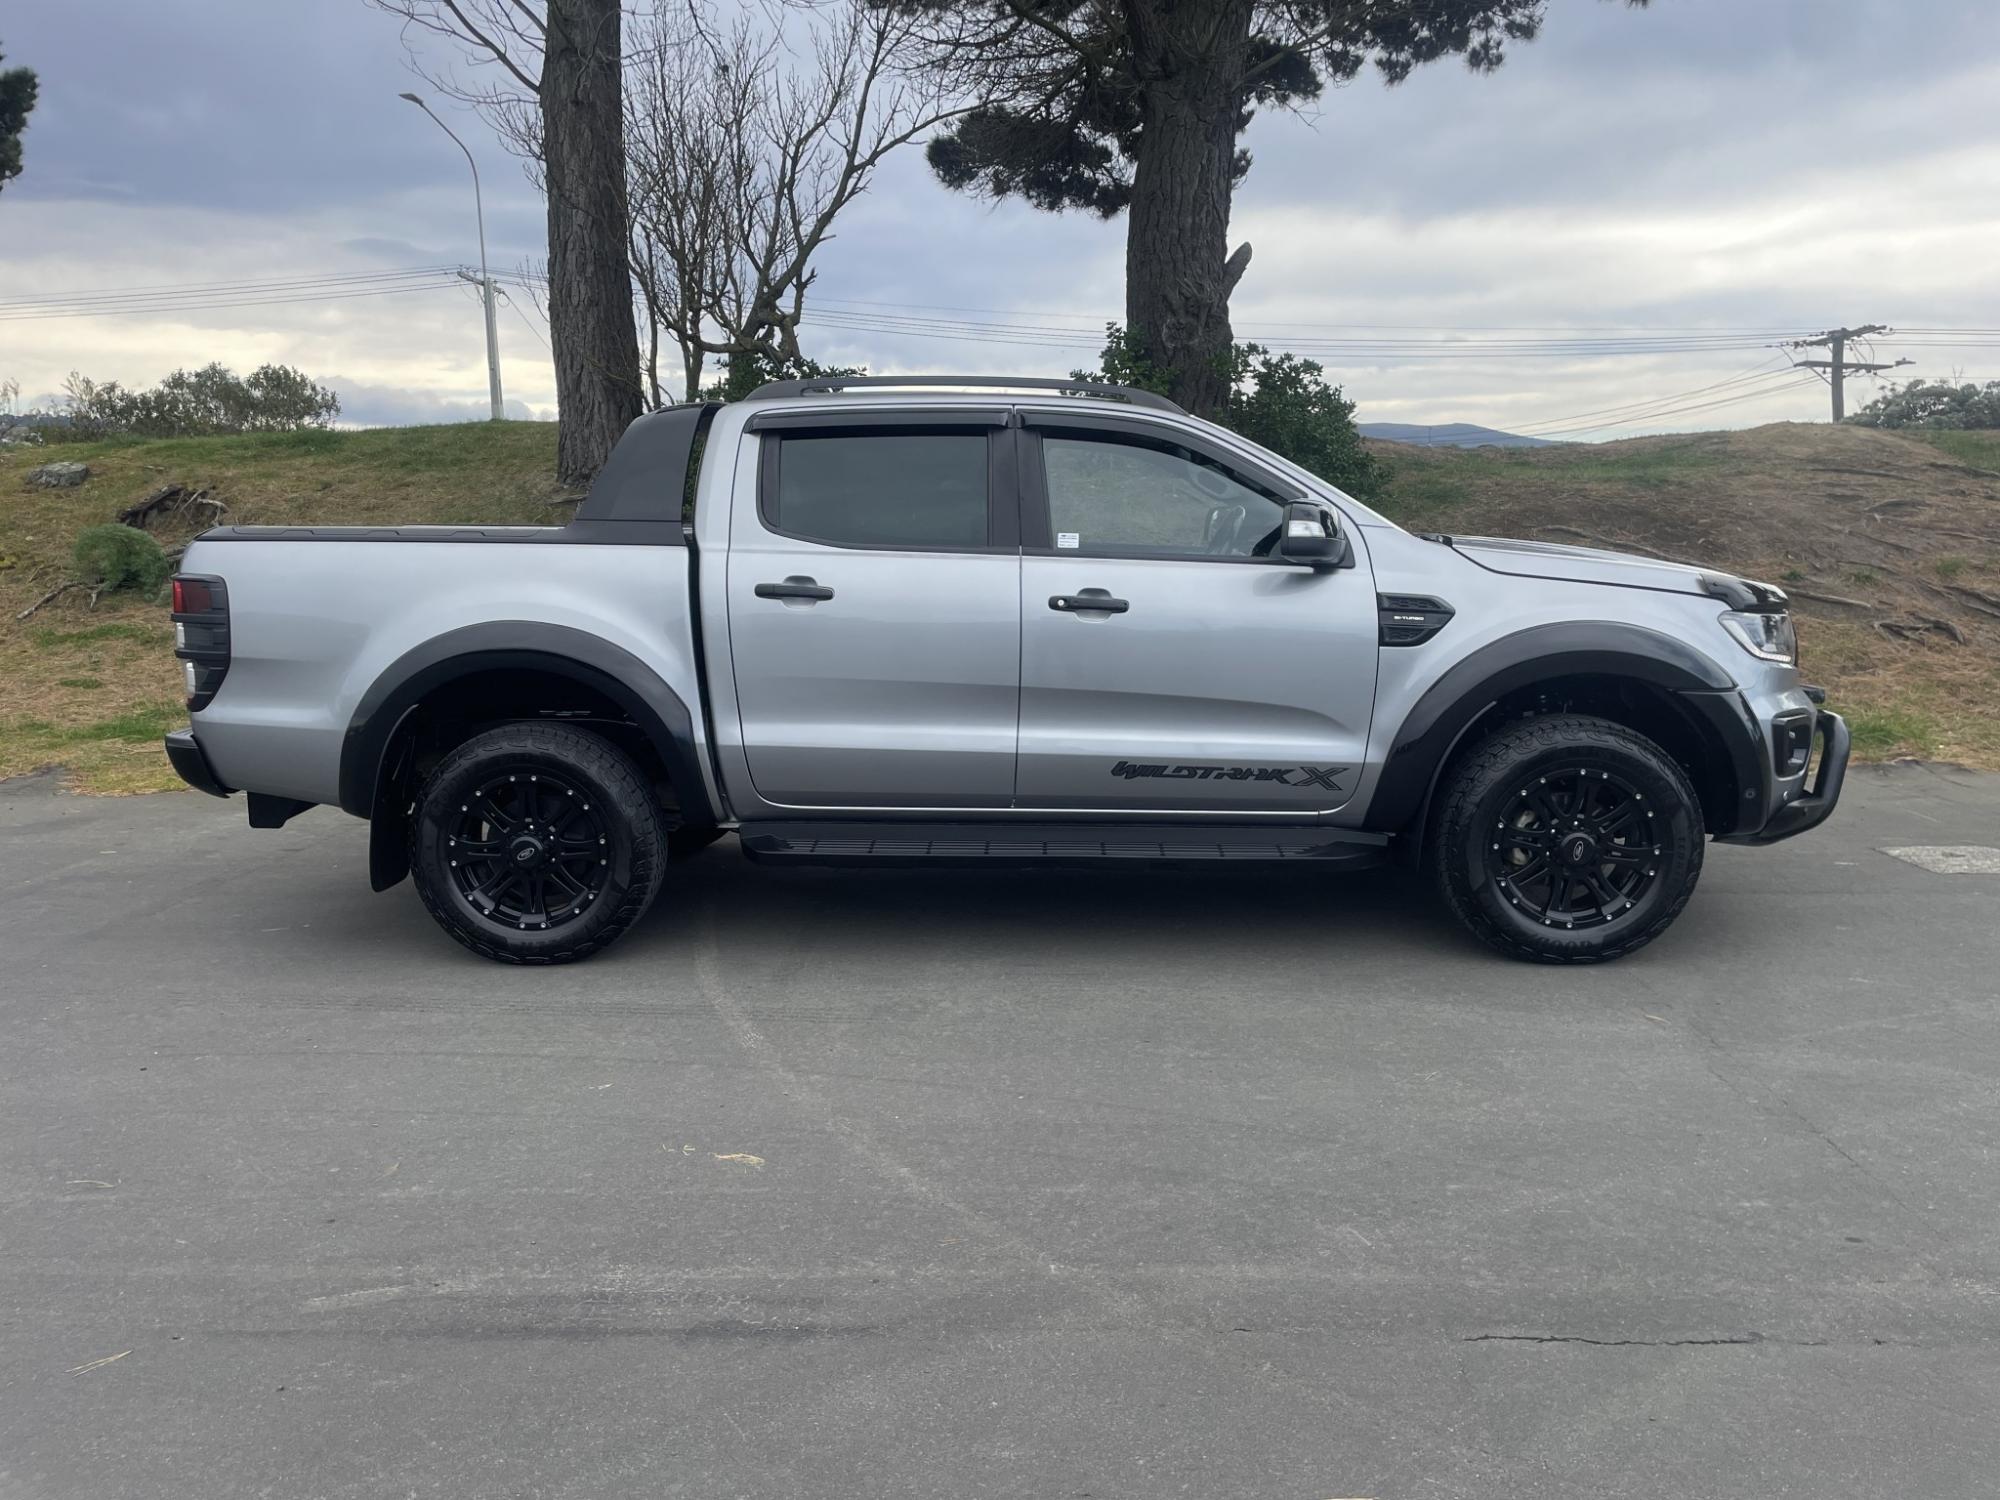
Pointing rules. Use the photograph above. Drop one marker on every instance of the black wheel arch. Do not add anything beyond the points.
(376, 759)
(1661, 670)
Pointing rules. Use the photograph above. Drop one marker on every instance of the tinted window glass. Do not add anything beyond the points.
(1109, 496)
(884, 490)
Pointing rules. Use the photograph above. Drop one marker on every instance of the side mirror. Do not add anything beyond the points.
(1311, 535)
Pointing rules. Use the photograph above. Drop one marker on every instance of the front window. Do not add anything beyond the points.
(1107, 496)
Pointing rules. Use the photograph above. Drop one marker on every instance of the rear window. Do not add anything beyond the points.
(881, 489)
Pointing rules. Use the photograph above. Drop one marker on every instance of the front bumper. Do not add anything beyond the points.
(1815, 803)
(192, 765)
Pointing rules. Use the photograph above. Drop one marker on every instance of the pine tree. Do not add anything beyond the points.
(17, 98)
(1138, 105)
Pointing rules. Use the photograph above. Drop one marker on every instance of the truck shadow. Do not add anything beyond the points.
(1003, 913)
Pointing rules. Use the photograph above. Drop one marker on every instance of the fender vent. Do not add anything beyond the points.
(1411, 619)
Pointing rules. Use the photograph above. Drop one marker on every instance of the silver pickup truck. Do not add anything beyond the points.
(904, 621)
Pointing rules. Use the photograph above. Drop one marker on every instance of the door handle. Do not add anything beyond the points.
(794, 588)
(1090, 599)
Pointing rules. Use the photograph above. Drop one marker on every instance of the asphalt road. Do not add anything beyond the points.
(982, 1184)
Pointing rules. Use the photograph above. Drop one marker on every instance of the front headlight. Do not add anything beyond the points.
(1770, 636)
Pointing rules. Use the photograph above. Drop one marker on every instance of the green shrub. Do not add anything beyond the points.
(1278, 401)
(121, 557)
(198, 403)
(1934, 404)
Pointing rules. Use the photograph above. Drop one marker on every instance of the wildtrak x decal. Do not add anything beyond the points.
(1307, 776)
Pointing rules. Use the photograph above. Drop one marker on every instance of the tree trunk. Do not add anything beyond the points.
(1189, 57)
(598, 390)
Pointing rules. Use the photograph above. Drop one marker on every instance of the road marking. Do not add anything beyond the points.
(1951, 859)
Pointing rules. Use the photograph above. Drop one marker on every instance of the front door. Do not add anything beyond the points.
(874, 617)
(1168, 660)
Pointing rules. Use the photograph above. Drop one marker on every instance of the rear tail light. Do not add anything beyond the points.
(193, 596)
(201, 636)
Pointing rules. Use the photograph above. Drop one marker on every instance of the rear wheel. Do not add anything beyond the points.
(536, 843)
(1566, 839)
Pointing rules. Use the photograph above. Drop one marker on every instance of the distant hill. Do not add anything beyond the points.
(1448, 435)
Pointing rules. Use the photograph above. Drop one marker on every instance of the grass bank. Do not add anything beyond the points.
(1889, 543)
(92, 689)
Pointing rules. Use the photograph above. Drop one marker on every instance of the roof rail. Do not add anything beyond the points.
(829, 385)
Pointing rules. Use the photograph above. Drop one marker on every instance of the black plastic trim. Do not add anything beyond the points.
(207, 634)
(190, 763)
(1011, 842)
(651, 471)
(1819, 801)
(521, 645)
(841, 423)
(833, 385)
(1115, 426)
(1410, 619)
(578, 533)
(1791, 742)
(1745, 593)
(1732, 724)
(1465, 692)
(267, 811)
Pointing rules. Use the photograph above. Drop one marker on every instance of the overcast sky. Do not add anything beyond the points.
(1741, 165)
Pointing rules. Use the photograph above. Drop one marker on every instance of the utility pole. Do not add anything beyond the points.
(484, 280)
(1835, 341)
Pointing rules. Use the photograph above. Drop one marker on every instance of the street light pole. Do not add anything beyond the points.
(485, 278)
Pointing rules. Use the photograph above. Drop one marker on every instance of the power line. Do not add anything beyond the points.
(1740, 397)
(1352, 344)
(1755, 372)
(526, 322)
(225, 304)
(195, 288)
(227, 295)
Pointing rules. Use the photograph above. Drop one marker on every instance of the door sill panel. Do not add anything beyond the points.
(852, 842)
(1004, 814)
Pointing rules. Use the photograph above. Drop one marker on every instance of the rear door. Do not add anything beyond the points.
(874, 612)
(1211, 677)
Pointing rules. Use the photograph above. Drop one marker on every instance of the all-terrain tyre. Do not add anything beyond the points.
(537, 843)
(1565, 839)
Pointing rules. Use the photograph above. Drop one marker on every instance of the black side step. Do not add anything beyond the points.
(834, 842)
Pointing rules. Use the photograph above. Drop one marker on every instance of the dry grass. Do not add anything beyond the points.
(1907, 529)
(1888, 543)
(93, 689)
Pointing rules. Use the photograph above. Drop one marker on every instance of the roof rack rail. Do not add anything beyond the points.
(829, 385)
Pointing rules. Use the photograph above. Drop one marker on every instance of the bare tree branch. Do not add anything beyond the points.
(746, 141)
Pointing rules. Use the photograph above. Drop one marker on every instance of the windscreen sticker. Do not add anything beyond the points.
(1069, 540)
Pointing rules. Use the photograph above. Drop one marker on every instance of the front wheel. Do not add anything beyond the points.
(1566, 839)
(537, 843)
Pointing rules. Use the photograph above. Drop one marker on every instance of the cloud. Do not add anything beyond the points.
(363, 404)
(1701, 163)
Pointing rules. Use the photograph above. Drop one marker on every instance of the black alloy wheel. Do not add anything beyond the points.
(537, 843)
(1575, 847)
(528, 850)
(1565, 838)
